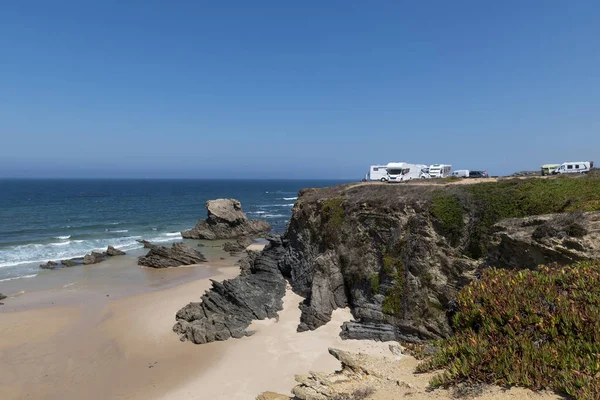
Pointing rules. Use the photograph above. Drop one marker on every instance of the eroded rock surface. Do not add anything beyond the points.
(228, 308)
(177, 255)
(226, 220)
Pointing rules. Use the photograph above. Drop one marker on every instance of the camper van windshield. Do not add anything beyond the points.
(394, 171)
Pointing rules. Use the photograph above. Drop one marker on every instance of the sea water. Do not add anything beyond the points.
(43, 220)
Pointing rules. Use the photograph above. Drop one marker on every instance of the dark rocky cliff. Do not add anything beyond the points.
(398, 254)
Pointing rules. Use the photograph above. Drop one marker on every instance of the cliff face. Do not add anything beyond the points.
(376, 249)
(398, 254)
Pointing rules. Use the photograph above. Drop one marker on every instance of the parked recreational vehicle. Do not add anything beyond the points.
(440, 170)
(400, 172)
(378, 173)
(548, 168)
(575, 167)
(461, 173)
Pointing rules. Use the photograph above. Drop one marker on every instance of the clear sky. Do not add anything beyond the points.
(318, 89)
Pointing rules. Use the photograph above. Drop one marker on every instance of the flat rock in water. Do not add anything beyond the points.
(163, 257)
(226, 220)
(49, 265)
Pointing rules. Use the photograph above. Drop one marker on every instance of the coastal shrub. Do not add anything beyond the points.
(332, 218)
(492, 202)
(536, 329)
(375, 283)
(392, 302)
(448, 210)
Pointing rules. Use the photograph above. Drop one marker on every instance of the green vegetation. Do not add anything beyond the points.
(537, 329)
(375, 283)
(490, 202)
(332, 216)
(447, 209)
(525, 197)
(392, 303)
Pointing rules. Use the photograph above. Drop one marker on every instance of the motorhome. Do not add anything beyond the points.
(575, 167)
(548, 168)
(440, 170)
(400, 172)
(378, 173)
(461, 173)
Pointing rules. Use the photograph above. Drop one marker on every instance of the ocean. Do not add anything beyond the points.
(42, 220)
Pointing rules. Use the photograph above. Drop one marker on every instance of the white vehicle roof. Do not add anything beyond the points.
(575, 162)
(396, 165)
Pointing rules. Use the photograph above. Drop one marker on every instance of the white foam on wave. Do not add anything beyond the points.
(18, 277)
(62, 237)
(39, 253)
(118, 231)
(274, 215)
(68, 242)
(282, 205)
(290, 198)
(172, 234)
(257, 212)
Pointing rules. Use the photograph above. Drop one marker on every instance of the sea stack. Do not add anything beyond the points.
(226, 220)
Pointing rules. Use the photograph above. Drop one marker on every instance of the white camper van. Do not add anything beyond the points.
(440, 170)
(576, 167)
(378, 173)
(401, 172)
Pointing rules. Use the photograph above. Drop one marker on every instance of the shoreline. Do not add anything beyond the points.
(102, 342)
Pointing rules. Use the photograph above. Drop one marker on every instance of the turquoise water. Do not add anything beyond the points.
(43, 220)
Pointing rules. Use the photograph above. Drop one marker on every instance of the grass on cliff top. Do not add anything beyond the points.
(536, 329)
(491, 202)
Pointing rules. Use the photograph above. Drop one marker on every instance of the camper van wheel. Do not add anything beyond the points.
(383, 179)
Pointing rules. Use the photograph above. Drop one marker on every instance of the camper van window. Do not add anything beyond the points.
(375, 169)
(569, 167)
(577, 166)
(405, 171)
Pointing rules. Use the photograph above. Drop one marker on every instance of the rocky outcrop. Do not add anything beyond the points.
(163, 257)
(111, 251)
(238, 246)
(532, 241)
(226, 220)
(49, 265)
(147, 244)
(227, 309)
(2, 297)
(397, 255)
(93, 258)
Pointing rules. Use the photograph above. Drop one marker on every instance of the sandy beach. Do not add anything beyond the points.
(96, 342)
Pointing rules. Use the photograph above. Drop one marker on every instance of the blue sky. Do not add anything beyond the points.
(318, 89)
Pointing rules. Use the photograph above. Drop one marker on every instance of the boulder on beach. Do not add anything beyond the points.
(49, 265)
(111, 251)
(94, 258)
(2, 297)
(163, 257)
(71, 263)
(226, 220)
(147, 244)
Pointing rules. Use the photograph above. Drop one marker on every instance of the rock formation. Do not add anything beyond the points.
(532, 241)
(111, 251)
(147, 244)
(398, 254)
(163, 257)
(226, 220)
(238, 246)
(2, 297)
(227, 308)
(93, 258)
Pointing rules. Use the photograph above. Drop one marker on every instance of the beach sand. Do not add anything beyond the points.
(88, 339)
